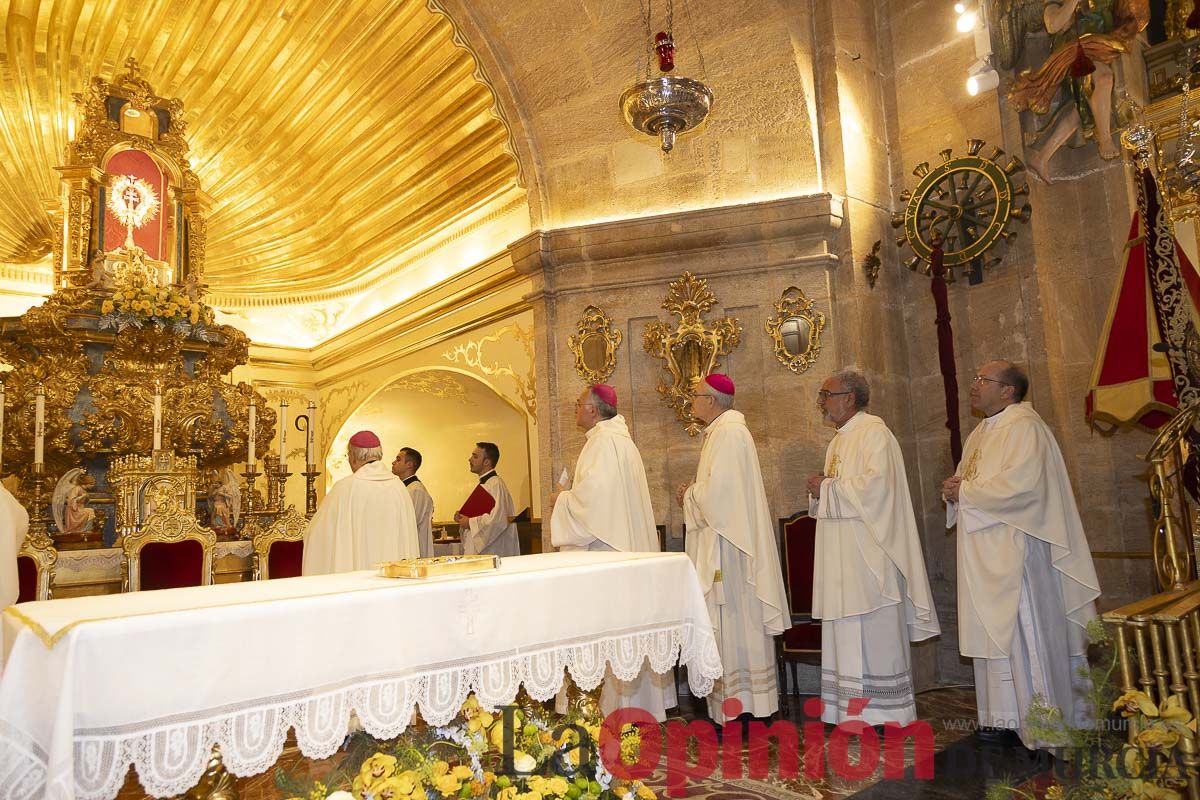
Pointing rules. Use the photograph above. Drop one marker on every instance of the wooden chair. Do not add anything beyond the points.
(172, 549)
(279, 550)
(36, 561)
(801, 643)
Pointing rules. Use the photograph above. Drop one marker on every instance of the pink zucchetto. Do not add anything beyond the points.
(606, 393)
(720, 382)
(365, 439)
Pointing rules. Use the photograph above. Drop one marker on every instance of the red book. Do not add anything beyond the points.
(480, 502)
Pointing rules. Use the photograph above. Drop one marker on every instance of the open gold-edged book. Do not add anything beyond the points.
(438, 565)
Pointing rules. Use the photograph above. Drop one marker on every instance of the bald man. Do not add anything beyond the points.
(1026, 583)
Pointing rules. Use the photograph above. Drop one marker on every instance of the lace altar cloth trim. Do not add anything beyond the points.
(170, 754)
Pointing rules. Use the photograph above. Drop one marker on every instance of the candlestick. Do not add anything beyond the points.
(1, 427)
(250, 457)
(39, 425)
(309, 426)
(283, 407)
(310, 490)
(157, 416)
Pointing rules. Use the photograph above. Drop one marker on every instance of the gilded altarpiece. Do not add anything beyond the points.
(126, 322)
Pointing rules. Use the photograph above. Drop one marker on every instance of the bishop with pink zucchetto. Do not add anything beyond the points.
(731, 540)
(366, 517)
(608, 508)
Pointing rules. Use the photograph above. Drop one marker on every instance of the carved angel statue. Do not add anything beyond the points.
(1101, 30)
(102, 276)
(69, 503)
(225, 504)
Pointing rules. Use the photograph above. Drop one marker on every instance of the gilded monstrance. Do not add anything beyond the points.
(126, 320)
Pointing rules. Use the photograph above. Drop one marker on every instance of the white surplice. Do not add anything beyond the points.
(14, 524)
(608, 508)
(1026, 582)
(731, 539)
(423, 509)
(367, 517)
(870, 588)
(493, 533)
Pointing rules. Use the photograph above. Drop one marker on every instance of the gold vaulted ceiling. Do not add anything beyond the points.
(332, 134)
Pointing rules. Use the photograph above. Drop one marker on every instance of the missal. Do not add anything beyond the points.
(438, 565)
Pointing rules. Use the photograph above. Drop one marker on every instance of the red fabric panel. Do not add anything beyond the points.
(1127, 351)
(285, 559)
(26, 579)
(806, 637)
(799, 554)
(170, 565)
(151, 236)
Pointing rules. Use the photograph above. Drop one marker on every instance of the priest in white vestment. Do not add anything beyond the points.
(14, 524)
(405, 467)
(731, 539)
(1026, 583)
(367, 517)
(870, 588)
(493, 533)
(608, 508)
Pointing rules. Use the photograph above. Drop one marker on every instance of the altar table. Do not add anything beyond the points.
(91, 685)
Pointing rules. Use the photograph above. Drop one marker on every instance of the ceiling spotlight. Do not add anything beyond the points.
(981, 77)
(960, 8)
(967, 20)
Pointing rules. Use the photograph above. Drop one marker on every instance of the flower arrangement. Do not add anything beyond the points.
(160, 305)
(1106, 764)
(510, 754)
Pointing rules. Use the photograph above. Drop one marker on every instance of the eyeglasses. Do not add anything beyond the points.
(981, 379)
(701, 395)
(824, 395)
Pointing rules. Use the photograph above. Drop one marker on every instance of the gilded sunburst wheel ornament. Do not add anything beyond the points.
(965, 205)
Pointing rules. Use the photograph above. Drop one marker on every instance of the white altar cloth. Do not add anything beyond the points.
(91, 685)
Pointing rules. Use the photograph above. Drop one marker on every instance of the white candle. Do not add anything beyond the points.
(250, 459)
(283, 406)
(157, 416)
(1, 428)
(308, 433)
(39, 425)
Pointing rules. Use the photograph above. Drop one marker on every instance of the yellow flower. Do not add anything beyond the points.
(1146, 789)
(1173, 711)
(462, 772)
(390, 789)
(106, 307)
(1157, 736)
(440, 768)
(408, 782)
(558, 786)
(378, 766)
(1132, 703)
(194, 317)
(507, 793)
(447, 784)
(646, 793)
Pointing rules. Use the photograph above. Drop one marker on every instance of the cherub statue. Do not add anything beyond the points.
(1099, 31)
(225, 504)
(69, 503)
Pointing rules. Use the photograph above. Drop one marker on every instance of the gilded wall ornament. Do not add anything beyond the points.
(795, 330)
(872, 263)
(471, 354)
(595, 344)
(690, 349)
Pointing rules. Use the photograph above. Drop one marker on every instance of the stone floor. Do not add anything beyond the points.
(963, 764)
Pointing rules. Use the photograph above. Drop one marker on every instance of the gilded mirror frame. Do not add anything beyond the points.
(595, 323)
(794, 304)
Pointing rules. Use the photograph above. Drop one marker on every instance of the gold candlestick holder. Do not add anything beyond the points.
(39, 524)
(310, 490)
(249, 513)
(279, 479)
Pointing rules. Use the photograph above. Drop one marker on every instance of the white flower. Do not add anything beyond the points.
(340, 796)
(523, 762)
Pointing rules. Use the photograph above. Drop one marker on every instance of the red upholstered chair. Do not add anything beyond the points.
(171, 550)
(279, 550)
(35, 570)
(801, 643)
